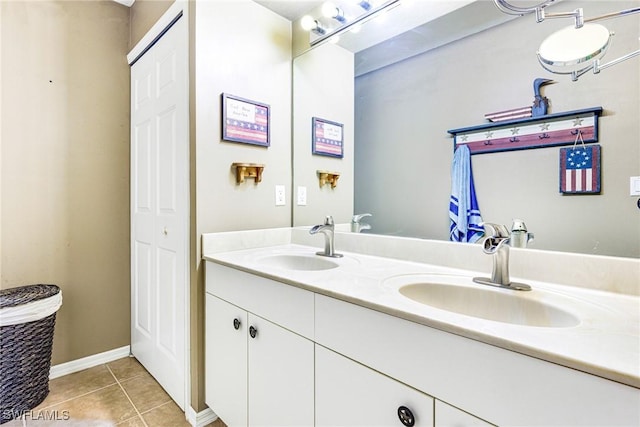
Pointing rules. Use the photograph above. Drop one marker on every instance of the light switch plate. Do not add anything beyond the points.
(302, 196)
(280, 195)
(634, 186)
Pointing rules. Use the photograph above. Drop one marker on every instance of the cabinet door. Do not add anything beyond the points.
(226, 361)
(448, 416)
(350, 394)
(280, 376)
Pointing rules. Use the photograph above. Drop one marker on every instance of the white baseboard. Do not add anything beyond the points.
(88, 362)
(202, 418)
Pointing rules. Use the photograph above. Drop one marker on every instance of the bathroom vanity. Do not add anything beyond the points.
(294, 339)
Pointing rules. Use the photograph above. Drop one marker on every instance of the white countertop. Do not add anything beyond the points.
(606, 342)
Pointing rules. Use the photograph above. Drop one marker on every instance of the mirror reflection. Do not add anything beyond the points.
(398, 97)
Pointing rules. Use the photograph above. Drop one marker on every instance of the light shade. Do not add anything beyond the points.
(365, 4)
(573, 49)
(330, 10)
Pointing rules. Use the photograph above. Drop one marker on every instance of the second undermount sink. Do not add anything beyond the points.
(453, 294)
(298, 262)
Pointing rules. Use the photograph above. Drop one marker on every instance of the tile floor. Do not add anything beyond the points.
(118, 393)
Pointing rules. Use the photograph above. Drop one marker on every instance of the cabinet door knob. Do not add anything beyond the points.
(253, 331)
(236, 323)
(406, 416)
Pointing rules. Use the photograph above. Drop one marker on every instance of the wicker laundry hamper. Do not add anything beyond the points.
(27, 319)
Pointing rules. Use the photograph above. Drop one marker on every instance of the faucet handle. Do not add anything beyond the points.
(518, 225)
(328, 220)
(358, 218)
(495, 230)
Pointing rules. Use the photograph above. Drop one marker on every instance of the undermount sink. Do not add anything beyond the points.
(298, 262)
(500, 305)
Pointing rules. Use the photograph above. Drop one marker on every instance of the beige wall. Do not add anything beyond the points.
(241, 48)
(403, 151)
(145, 13)
(65, 151)
(65, 164)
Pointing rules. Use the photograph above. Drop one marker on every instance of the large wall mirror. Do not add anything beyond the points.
(397, 98)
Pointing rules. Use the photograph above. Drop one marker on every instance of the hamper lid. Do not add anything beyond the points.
(20, 295)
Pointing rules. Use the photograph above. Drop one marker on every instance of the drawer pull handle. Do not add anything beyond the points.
(236, 323)
(253, 331)
(406, 416)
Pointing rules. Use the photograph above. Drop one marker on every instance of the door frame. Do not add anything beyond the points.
(178, 10)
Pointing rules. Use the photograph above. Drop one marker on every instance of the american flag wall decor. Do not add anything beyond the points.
(327, 138)
(580, 169)
(245, 121)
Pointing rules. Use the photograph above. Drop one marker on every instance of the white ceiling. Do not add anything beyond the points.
(290, 9)
(127, 3)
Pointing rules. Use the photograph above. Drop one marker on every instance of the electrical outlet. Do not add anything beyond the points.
(634, 186)
(280, 195)
(302, 196)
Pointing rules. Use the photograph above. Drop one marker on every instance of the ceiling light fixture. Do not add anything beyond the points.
(330, 10)
(308, 23)
(364, 4)
(576, 49)
(325, 27)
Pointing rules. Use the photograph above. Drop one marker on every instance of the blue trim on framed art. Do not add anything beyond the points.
(245, 121)
(327, 138)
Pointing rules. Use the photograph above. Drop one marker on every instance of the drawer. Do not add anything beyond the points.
(350, 394)
(285, 305)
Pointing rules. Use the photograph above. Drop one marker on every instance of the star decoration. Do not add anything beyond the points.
(515, 130)
(464, 138)
(488, 134)
(544, 126)
(577, 121)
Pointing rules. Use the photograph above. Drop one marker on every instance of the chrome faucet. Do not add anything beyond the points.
(496, 243)
(328, 230)
(357, 226)
(519, 237)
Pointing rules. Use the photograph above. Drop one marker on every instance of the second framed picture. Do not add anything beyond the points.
(327, 138)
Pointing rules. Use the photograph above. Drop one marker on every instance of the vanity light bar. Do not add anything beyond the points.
(369, 14)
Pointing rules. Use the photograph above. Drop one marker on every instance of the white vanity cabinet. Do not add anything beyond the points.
(226, 353)
(258, 373)
(448, 416)
(322, 361)
(350, 394)
(493, 384)
(280, 386)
